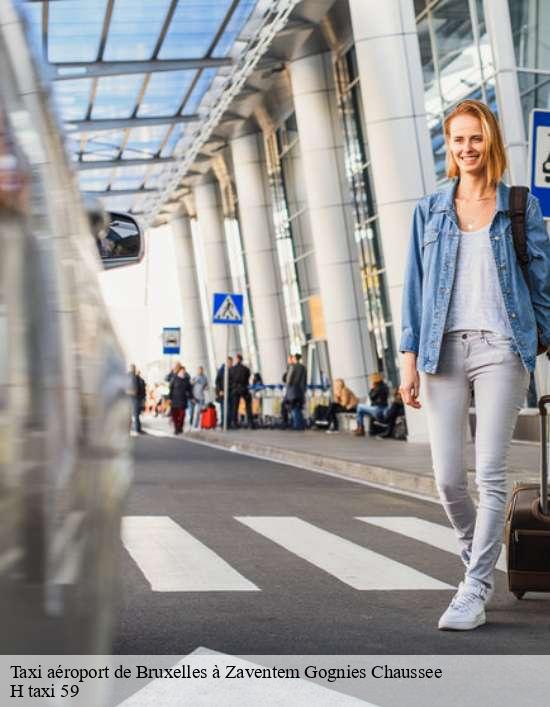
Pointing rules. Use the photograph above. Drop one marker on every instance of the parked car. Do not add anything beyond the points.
(65, 464)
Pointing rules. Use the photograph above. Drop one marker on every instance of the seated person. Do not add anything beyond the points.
(395, 410)
(378, 396)
(344, 401)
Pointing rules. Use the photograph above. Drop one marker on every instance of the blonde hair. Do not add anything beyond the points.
(495, 156)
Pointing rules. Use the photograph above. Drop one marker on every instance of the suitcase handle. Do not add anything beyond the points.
(543, 402)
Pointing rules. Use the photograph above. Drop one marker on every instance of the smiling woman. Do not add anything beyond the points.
(470, 322)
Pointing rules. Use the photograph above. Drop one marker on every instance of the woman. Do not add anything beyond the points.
(180, 392)
(344, 401)
(469, 319)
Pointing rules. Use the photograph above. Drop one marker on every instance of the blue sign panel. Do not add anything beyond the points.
(228, 308)
(539, 158)
(171, 340)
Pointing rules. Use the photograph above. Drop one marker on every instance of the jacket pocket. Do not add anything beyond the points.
(430, 236)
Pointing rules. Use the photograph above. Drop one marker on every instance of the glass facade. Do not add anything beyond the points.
(365, 217)
(98, 31)
(237, 263)
(456, 61)
(531, 29)
(277, 145)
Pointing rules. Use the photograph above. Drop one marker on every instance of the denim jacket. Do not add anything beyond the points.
(431, 268)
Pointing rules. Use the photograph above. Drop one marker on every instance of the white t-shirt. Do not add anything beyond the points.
(476, 300)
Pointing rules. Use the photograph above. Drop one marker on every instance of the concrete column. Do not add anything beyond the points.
(254, 219)
(194, 348)
(499, 29)
(344, 315)
(216, 268)
(403, 171)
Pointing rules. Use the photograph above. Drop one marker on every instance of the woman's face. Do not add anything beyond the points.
(467, 144)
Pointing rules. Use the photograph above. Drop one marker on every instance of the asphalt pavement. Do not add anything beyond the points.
(246, 556)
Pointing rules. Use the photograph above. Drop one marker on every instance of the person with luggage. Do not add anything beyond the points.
(180, 394)
(470, 318)
(240, 382)
(378, 396)
(344, 401)
(295, 396)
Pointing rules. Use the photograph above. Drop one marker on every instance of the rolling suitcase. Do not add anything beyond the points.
(208, 418)
(527, 530)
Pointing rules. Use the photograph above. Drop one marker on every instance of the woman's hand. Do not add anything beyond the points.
(410, 381)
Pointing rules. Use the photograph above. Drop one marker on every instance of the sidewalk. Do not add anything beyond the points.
(384, 462)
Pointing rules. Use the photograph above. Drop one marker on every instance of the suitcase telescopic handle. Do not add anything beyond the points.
(543, 402)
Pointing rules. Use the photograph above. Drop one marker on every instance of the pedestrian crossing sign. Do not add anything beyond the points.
(228, 308)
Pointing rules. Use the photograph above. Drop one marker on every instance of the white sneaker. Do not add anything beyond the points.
(332, 432)
(466, 610)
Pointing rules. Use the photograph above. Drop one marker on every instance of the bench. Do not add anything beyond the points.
(347, 423)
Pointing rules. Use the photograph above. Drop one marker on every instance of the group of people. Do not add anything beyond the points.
(182, 397)
(383, 414)
(238, 388)
(178, 396)
(186, 395)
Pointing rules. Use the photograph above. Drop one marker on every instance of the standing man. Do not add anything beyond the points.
(241, 379)
(296, 391)
(220, 391)
(138, 392)
(285, 405)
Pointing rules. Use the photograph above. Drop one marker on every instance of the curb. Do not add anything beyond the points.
(391, 479)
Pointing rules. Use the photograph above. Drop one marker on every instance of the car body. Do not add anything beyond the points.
(65, 463)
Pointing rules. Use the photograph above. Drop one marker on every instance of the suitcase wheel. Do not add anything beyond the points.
(519, 595)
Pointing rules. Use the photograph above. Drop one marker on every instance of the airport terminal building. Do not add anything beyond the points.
(283, 158)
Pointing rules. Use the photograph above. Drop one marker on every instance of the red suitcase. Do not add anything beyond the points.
(208, 418)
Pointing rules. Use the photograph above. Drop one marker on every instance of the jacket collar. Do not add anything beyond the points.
(444, 200)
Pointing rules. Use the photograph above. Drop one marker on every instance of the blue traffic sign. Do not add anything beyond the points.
(171, 340)
(539, 158)
(228, 308)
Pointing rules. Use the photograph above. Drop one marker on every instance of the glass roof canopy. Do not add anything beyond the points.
(130, 78)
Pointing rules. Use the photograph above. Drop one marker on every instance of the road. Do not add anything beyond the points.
(244, 556)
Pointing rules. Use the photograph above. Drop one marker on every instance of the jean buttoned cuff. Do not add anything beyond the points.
(409, 342)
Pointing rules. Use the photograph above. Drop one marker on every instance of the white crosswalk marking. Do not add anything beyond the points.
(425, 531)
(350, 563)
(172, 560)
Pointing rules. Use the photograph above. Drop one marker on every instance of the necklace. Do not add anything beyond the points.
(470, 220)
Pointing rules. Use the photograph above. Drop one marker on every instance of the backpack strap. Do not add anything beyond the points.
(517, 204)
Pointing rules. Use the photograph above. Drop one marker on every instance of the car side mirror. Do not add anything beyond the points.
(120, 242)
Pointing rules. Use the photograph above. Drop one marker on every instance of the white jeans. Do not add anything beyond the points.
(486, 361)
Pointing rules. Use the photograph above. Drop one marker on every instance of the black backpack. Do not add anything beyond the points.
(319, 419)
